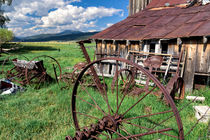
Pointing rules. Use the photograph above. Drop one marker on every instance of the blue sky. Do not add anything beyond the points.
(31, 17)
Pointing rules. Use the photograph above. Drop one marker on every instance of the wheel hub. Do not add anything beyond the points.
(108, 123)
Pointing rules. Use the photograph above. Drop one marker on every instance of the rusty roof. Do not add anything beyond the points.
(164, 23)
(163, 3)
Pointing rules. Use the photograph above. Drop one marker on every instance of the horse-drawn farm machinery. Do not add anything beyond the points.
(124, 104)
(38, 71)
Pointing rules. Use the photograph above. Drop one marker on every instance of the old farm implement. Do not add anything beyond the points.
(41, 69)
(110, 112)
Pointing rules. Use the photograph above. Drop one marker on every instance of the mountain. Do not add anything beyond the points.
(67, 35)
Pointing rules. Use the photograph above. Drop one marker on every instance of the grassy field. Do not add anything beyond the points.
(46, 113)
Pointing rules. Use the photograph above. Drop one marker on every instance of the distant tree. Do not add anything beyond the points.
(5, 36)
(4, 19)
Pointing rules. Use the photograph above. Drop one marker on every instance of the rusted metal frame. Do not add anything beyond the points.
(173, 84)
(43, 70)
(169, 99)
(169, 63)
(96, 78)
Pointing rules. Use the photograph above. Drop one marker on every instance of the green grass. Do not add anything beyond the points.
(46, 113)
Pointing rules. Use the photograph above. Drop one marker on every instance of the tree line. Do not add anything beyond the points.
(5, 34)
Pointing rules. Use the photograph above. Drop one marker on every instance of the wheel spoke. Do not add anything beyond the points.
(95, 137)
(148, 115)
(149, 129)
(139, 100)
(116, 133)
(117, 83)
(147, 133)
(56, 76)
(124, 130)
(91, 105)
(87, 115)
(92, 98)
(106, 98)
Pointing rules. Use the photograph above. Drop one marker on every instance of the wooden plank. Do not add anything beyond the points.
(98, 49)
(130, 7)
(190, 65)
(170, 49)
(176, 49)
(137, 47)
(146, 48)
(104, 52)
(202, 62)
(157, 47)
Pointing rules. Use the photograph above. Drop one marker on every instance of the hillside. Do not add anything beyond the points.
(67, 35)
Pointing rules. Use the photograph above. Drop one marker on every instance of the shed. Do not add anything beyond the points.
(164, 27)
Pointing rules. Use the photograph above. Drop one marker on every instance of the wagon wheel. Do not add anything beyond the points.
(119, 116)
(10, 71)
(126, 79)
(43, 70)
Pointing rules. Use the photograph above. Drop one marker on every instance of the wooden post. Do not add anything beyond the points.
(157, 47)
(190, 65)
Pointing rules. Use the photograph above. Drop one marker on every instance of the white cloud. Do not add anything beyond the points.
(29, 17)
(77, 15)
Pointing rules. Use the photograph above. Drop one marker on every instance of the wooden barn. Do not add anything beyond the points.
(178, 30)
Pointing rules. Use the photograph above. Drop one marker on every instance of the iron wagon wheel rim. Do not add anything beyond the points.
(147, 73)
(45, 56)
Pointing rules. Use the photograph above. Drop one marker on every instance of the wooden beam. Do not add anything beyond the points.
(190, 65)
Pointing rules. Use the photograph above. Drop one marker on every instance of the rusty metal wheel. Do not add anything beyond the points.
(10, 71)
(126, 80)
(43, 70)
(113, 114)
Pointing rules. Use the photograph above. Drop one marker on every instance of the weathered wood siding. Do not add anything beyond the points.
(197, 59)
(202, 58)
(137, 5)
(191, 47)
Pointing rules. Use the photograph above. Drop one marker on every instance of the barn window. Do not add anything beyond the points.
(152, 47)
(164, 48)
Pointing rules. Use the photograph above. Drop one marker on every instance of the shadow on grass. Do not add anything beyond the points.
(20, 49)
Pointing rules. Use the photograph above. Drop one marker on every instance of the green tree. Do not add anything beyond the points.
(5, 36)
(4, 19)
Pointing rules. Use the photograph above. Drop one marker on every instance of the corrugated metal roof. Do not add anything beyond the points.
(162, 3)
(156, 24)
